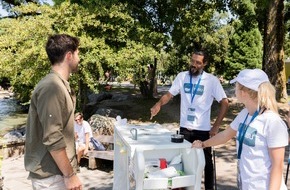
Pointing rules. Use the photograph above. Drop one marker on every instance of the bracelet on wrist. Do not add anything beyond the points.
(70, 175)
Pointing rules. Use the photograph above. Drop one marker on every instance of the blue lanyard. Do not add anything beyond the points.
(196, 87)
(242, 132)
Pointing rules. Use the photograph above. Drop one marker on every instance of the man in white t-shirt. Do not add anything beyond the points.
(83, 134)
(197, 89)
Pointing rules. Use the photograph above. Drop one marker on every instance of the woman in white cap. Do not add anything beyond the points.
(261, 134)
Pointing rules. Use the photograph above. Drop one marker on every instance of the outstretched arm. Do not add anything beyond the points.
(163, 100)
(218, 139)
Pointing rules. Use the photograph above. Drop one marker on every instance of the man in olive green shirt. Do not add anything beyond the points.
(50, 155)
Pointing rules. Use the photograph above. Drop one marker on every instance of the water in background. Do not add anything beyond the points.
(11, 115)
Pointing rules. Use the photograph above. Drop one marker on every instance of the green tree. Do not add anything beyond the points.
(105, 36)
(201, 29)
(154, 16)
(186, 26)
(269, 15)
(22, 51)
(8, 5)
(245, 50)
(127, 35)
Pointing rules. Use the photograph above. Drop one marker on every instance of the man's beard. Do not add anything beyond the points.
(193, 71)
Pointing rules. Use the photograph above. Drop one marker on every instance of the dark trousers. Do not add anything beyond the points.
(192, 135)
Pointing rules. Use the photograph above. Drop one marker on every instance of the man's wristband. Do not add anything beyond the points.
(70, 175)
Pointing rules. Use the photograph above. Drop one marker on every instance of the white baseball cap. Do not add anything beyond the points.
(251, 78)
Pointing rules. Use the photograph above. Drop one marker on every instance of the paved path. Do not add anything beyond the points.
(15, 176)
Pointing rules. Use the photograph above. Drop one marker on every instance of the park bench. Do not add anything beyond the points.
(108, 154)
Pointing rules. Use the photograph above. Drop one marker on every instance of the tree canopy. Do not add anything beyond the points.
(103, 44)
(126, 35)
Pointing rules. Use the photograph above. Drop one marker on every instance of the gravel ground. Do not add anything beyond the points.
(15, 176)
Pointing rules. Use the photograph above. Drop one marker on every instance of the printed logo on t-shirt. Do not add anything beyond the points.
(250, 137)
(187, 88)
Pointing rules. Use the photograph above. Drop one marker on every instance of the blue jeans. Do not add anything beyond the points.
(192, 135)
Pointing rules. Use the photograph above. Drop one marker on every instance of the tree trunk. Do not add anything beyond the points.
(148, 85)
(152, 84)
(273, 56)
(143, 85)
(83, 99)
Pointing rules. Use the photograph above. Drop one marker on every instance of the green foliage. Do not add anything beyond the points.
(201, 27)
(22, 49)
(183, 26)
(287, 27)
(245, 50)
(250, 12)
(125, 35)
(287, 46)
(217, 44)
(105, 36)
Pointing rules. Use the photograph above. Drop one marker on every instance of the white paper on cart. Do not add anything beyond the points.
(164, 173)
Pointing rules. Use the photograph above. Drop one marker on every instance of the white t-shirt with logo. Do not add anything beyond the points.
(266, 131)
(81, 131)
(195, 112)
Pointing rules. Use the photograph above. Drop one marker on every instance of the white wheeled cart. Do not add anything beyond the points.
(153, 142)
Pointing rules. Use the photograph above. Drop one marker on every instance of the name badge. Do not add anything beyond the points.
(191, 114)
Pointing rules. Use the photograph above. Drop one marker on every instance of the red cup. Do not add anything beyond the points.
(163, 163)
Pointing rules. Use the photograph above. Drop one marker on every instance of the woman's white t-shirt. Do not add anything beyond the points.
(266, 131)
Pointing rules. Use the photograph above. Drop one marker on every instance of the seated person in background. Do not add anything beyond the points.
(83, 134)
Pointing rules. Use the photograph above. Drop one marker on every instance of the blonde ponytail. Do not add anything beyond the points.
(267, 97)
